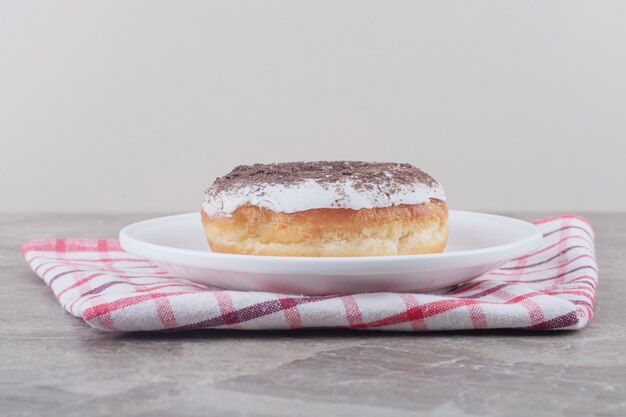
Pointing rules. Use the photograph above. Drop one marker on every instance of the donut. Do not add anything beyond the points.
(330, 209)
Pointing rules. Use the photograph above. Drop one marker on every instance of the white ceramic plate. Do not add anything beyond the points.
(478, 243)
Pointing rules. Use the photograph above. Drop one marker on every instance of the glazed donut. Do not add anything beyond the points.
(326, 209)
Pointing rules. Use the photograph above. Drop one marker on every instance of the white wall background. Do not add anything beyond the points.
(139, 105)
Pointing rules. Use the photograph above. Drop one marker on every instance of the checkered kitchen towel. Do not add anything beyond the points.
(552, 288)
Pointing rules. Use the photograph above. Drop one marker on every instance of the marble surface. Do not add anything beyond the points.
(54, 364)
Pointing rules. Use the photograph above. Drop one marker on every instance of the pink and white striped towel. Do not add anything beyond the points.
(552, 288)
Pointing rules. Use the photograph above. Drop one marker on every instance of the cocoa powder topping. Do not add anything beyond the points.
(363, 175)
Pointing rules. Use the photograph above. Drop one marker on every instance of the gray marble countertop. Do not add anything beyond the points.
(53, 364)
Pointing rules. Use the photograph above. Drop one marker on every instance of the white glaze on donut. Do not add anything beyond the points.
(310, 194)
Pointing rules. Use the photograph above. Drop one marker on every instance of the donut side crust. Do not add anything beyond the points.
(334, 232)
